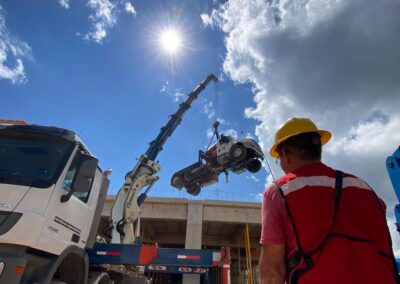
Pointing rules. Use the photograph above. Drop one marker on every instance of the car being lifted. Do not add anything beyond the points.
(227, 154)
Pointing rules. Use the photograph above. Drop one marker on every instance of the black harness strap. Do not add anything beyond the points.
(300, 255)
(294, 261)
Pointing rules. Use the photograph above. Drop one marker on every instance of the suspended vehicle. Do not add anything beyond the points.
(227, 154)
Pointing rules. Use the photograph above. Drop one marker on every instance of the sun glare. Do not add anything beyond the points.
(171, 41)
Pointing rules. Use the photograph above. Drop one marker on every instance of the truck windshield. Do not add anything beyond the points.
(32, 159)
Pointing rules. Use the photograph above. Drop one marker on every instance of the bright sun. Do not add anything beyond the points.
(171, 41)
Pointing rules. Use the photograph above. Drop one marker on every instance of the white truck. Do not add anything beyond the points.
(52, 193)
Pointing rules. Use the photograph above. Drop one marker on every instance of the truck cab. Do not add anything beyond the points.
(51, 188)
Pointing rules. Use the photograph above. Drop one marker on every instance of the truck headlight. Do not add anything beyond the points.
(2, 265)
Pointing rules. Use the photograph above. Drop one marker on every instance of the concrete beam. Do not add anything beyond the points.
(207, 241)
(172, 210)
(231, 215)
(213, 211)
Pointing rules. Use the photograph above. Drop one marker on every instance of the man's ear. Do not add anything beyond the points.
(286, 155)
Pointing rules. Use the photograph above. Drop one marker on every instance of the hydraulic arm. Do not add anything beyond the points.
(125, 210)
(393, 168)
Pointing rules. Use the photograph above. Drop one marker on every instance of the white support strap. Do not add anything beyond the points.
(322, 181)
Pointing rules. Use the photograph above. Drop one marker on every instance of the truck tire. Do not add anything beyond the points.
(105, 280)
(193, 189)
(70, 271)
(177, 181)
(99, 277)
(237, 152)
(253, 165)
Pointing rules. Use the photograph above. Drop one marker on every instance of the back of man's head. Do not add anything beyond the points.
(306, 146)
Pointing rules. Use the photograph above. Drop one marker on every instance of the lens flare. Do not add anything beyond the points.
(171, 41)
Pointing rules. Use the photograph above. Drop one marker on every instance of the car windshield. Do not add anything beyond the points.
(225, 139)
(32, 159)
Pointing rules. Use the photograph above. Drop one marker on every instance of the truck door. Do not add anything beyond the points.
(71, 210)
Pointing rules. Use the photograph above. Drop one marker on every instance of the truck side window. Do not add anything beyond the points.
(224, 139)
(69, 177)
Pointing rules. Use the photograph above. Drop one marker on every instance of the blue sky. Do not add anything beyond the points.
(117, 91)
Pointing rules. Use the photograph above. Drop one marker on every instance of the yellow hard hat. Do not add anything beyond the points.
(295, 126)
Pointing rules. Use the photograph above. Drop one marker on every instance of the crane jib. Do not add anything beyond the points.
(175, 119)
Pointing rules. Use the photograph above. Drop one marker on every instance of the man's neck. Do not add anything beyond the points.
(302, 163)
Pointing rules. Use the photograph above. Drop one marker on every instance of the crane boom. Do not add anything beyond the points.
(125, 210)
(176, 118)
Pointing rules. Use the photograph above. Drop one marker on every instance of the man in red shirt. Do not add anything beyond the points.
(320, 225)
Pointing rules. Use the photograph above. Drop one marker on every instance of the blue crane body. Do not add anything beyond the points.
(393, 168)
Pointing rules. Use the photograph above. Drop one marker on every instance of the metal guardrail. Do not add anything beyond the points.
(215, 194)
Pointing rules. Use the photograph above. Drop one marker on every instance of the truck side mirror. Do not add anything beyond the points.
(83, 179)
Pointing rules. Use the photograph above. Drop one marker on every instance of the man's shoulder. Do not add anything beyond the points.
(332, 172)
(286, 178)
(272, 190)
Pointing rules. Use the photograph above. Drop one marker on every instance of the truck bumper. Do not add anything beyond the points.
(14, 259)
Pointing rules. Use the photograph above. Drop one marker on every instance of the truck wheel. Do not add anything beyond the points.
(177, 181)
(70, 271)
(194, 189)
(237, 152)
(253, 166)
(105, 279)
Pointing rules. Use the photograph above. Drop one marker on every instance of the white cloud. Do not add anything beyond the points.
(64, 3)
(12, 51)
(231, 132)
(253, 178)
(334, 61)
(210, 133)
(249, 135)
(209, 110)
(206, 19)
(103, 18)
(258, 197)
(395, 236)
(176, 94)
(222, 121)
(211, 20)
(129, 8)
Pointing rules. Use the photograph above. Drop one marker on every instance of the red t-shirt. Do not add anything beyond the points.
(276, 224)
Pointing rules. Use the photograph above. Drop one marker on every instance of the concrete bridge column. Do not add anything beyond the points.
(194, 225)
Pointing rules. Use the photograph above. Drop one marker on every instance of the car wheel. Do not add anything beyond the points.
(237, 152)
(194, 189)
(177, 180)
(253, 166)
